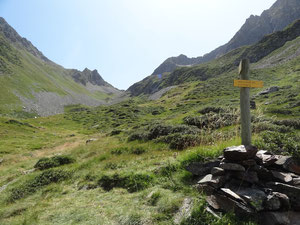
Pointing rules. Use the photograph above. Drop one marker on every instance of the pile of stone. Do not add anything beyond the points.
(252, 184)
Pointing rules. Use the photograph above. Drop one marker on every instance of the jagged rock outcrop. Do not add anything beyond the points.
(89, 76)
(281, 14)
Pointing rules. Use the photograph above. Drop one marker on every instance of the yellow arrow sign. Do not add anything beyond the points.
(248, 83)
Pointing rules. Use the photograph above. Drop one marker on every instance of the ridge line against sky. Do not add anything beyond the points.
(125, 40)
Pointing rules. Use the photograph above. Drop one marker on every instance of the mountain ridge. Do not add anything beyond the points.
(278, 16)
(227, 62)
(31, 84)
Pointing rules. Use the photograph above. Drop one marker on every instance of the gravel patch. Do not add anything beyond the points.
(158, 94)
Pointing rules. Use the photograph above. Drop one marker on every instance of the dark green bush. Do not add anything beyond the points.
(280, 111)
(280, 143)
(159, 130)
(119, 151)
(211, 109)
(55, 161)
(266, 126)
(115, 132)
(138, 150)
(31, 186)
(132, 182)
(212, 120)
(180, 142)
(289, 122)
(138, 135)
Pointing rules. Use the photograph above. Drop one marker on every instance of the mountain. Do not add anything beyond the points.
(31, 84)
(223, 64)
(281, 14)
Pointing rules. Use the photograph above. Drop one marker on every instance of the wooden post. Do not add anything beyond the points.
(245, 104)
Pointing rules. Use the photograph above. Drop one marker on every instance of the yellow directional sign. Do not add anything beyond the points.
(248, 83)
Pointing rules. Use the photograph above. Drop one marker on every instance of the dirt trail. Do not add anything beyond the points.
(58, 149)
(45, 152)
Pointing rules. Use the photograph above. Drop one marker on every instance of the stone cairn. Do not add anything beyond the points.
(251, 184)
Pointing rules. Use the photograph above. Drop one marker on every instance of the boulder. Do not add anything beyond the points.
(201, 169)
(281, 177)
(252, 104)
(206, 189)
(217, 171)
(282, 159)
(291, 191)
(264, 174)
(253, 196)
(249, 162)
(223, 203)
(229, 193)
(296, 182)
(274, 218)
(276, 201)
(292, 165)
(232, 167)
(239, 153)
(248, 176)
(269, 90)
(214, 181)
(265, 158)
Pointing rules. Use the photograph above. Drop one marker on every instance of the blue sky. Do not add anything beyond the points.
(125, 40)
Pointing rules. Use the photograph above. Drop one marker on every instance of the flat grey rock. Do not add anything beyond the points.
(232, 167)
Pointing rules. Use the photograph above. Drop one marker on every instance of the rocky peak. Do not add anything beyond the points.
(88, 76)
(172, 63)
(12, 36)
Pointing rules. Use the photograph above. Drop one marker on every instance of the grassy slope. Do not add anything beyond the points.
(24, 73)
(67, 202)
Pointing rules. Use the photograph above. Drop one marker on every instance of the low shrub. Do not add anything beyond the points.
(31, 186)
(212, 120)
(115, 132)
(132, 182)
(138, 135)
(161, 130)
(288, 143)
(119, 151)
(55, 161)
(138, 150)
(266, 126)
(289, 123)
(280, 111)
(180, 142)
(211, 109)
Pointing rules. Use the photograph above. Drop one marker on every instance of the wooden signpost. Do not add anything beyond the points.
(245, 84)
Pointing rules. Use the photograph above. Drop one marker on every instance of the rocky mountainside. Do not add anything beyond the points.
(226, 63)
(31, 84)
(10, 34)
(281, 14)
(89, 76)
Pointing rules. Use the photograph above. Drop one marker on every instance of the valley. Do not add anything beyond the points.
(76, 150)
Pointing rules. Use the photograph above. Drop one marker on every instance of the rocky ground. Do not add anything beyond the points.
(252, 184)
